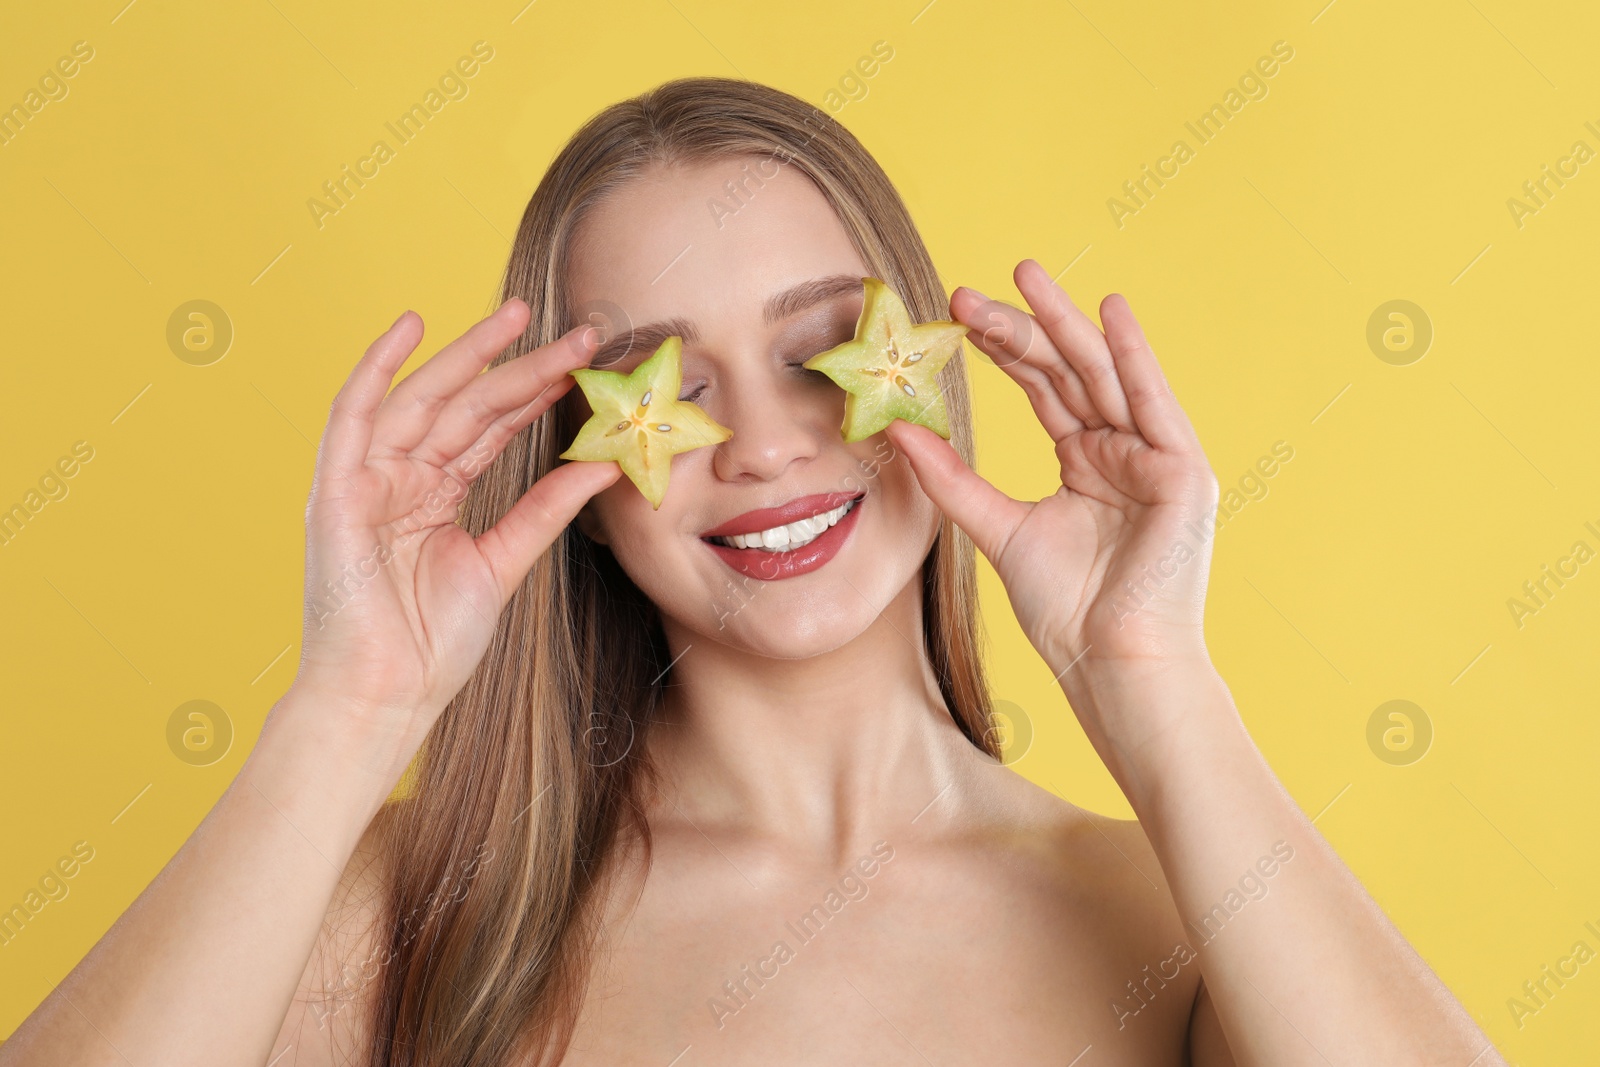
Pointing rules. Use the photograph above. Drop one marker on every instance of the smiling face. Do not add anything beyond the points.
(753, 292)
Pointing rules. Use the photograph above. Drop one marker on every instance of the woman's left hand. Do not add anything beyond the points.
(1108, 572)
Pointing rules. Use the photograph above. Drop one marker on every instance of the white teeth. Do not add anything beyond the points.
(790, 536)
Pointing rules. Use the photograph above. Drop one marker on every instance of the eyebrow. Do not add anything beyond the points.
(778, 307)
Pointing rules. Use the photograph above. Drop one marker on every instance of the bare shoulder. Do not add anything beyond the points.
(1094, 887)
(328, 1021)
(1106, 858)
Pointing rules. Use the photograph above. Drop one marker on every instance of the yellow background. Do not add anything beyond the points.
(1378, 566)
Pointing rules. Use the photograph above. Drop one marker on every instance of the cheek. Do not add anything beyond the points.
(643, 556)
(906, 514)
(626, 520)
(649, 544)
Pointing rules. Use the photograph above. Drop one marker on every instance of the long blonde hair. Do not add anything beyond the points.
(534, 772)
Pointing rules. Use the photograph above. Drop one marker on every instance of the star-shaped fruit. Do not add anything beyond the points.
(890, 366)
(639, 421)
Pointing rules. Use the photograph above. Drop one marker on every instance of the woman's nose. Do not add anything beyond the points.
(773, 427)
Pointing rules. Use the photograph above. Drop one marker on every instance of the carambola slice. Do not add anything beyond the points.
(640, 422)
(890, 367)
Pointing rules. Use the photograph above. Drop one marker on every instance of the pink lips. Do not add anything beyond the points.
(801, 507)
(771, 566)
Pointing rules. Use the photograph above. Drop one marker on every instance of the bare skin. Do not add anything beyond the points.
(805, 746)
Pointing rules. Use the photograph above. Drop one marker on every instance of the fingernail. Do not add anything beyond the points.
(578, 343)
(397, 322)
(976, 293)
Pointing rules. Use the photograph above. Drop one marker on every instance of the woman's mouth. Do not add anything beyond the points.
(788, 549)
(789, 536)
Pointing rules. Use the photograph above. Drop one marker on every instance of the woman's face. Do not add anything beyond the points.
(754, 286)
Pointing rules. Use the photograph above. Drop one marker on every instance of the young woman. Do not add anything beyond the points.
(676, 803)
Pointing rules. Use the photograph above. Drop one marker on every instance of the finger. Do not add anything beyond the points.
(983, 512)
(1107, 465)
(1156, 412)
(1023, 340)
(522, 535)
(348, 435)
(408, 413)
(511, 395)
(1078, 338)
(1006, 333)
(494, 438)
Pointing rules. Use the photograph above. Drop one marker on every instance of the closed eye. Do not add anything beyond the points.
(799, 365)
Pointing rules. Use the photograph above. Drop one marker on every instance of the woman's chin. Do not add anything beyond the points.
(771, 643)
(801, 633)
(785, 622)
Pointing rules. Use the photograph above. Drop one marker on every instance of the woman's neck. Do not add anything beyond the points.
(821, 753)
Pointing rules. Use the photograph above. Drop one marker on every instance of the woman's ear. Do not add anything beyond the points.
(589, 524)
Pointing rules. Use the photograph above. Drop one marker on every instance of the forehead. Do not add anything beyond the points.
(707, 241)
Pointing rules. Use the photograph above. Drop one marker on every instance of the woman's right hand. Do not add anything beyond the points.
(401, 602)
